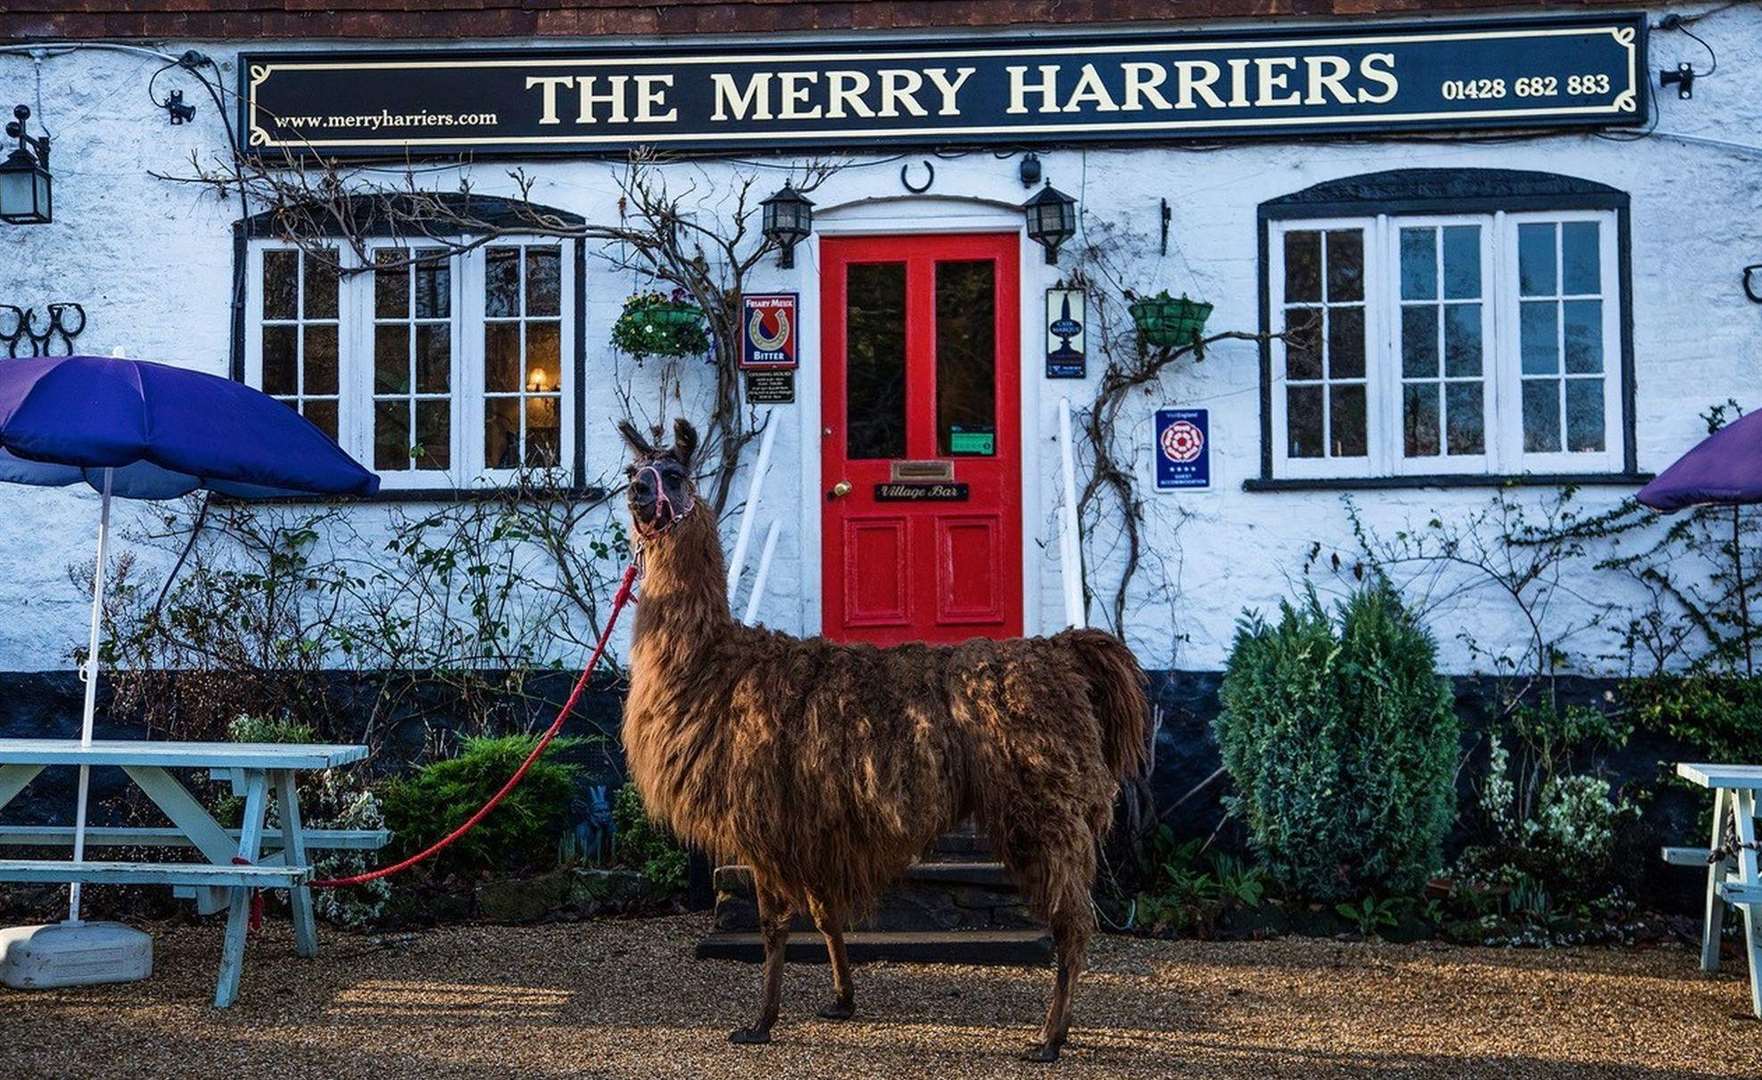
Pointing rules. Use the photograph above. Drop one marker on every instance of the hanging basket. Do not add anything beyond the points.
(653, 324)
(1168, 322)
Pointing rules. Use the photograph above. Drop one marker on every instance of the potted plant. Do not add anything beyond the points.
(1168, 321)
(655, 324)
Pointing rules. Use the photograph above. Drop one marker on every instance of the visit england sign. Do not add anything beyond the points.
(1574, 71)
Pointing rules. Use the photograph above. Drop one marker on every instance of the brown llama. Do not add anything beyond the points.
(829, 768)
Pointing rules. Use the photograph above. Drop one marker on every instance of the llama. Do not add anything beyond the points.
(829, 768)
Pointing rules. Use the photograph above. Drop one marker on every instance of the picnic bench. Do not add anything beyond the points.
(233, 862)
(1731, 862)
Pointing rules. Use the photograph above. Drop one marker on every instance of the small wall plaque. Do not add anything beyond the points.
(774, 387)
(1065, 312)
(920, 493)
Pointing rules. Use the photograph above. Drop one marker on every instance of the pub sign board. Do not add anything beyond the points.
(768, 331)
(1571, 71)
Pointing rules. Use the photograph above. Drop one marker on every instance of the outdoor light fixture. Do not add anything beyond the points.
(1029, 170)
(24, 176)
(788, 218)
(1052, 219)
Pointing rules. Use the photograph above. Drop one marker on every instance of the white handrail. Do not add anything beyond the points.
(1069, 542)
(737, 565)
(758, 593)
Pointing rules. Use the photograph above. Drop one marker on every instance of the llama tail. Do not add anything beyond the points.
(1117, 694)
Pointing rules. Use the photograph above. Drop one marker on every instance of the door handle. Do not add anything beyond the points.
(839, 490)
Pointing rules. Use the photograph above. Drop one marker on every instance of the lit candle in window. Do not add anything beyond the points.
(536, 381)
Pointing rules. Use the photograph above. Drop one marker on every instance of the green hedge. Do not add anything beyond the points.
(1342, 742)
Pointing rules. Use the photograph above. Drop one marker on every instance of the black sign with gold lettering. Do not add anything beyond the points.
(896, 492)
(1580, 70)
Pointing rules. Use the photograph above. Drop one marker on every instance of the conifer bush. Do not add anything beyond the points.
(1342, 742)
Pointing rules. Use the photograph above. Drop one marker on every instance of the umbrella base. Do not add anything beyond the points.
(68, 954)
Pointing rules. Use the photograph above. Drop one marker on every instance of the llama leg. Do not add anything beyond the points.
(774, 916)
(831, 926)
(1073, 923)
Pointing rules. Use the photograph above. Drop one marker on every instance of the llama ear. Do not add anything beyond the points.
(634, 438)
(684, 441)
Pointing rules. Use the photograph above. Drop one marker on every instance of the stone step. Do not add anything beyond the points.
(932, 896)
(965, 843)
(1021, 948)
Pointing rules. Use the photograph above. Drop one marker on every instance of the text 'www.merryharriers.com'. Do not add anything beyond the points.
(388, 119)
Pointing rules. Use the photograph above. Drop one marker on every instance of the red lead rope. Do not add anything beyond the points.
(618, 601)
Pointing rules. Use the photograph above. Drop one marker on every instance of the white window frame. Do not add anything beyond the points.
(356, 322)
(1501, 359)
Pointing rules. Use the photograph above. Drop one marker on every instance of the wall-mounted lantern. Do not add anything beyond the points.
(24, 176)
(788, 218)
(1052, 219)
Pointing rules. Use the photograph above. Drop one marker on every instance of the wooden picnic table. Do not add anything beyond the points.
(1731, 861)
(236, 862)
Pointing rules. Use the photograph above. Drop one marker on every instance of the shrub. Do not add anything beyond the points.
(1720, 717)
(1342, 741)
(639, 844)
(519, 835)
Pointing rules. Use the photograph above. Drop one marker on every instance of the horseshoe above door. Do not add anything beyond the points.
(913, 188)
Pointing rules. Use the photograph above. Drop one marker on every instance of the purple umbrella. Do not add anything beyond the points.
(151, 431)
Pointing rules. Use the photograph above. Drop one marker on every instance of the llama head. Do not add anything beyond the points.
(660, 490)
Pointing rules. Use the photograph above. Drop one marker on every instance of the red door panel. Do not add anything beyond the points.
(921, 376)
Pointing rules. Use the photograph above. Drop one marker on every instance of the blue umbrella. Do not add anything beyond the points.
(151, 431)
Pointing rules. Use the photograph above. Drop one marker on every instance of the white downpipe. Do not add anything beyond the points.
(91, 677)
(737, 565)
(758, 593)
(1070, 554)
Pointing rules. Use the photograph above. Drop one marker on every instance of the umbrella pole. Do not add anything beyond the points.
(91, 679)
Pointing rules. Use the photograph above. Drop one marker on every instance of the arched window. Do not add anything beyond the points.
(435, 362)
(1446, 326)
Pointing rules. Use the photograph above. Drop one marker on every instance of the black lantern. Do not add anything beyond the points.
(1052, 219)
(24, 176)
(788, 218)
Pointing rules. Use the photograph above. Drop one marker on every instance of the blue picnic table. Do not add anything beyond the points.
(232, 862)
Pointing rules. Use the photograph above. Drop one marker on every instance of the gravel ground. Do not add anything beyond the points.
(626, 999)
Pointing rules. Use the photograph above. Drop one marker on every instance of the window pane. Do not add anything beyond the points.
(1462, 340)
(1541, 416)
(1346, 343)
(279, 359)
(1419, 419)
(1346, 421)
(543, 356)
(1538, 337)
(1345, 265)
(323, 416)
(280, 294)
(1419, 342)
(1302, 266)
(391, 434)
(1303, 358)
(320, 361)
(501, 282)
(1465, 418)
(391, 285)
(434, 358)
(1581, 265)
(434, 285)
(321, 285)
(1303, 421)
(1535, 259)
(1419, 264)
(1584, 415)
(501, 433)
(501, 357)
(1584, 336)
(1462, 262)
(544, 281)
(966, 352)
(542, 432)
(875, 374)
(391, 359)
(434, 434)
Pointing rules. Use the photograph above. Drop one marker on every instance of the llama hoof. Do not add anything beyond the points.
(839, 1010)
(1041, 1052)
(749, 1036)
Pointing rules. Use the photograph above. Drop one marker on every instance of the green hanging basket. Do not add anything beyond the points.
(1168, 321)
(653, 324)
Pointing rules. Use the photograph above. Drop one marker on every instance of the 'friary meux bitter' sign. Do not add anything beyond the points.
(1546, 72)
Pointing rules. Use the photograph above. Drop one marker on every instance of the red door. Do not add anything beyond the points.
(921, 522)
